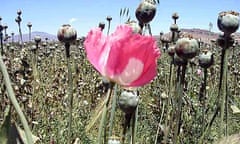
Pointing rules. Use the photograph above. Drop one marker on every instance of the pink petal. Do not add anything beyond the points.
(95, 45)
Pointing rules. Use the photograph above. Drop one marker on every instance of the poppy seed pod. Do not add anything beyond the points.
(18, 19)
(19, 12)
(128, 101)
(37, 39)
(66, 34)
(179, 61)
(206, 59)
(171, 51)
(1, 27)
(109, 18)
(33, 48)
(175, 16)
(225, 42)
(101, 25)
(228, 22)
(44, 44)
(135, 26)
(187, 48)
(174, 27)
(145, 11)
(29, 24)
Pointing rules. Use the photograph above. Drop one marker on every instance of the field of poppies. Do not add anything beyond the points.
(124, 87)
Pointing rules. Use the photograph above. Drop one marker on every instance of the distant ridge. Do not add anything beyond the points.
(205, 35)
(43, 35)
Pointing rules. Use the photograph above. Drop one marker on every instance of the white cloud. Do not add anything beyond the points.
(72, 20)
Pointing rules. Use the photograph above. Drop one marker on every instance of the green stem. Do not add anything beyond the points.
(109, 24)
(20, 34)
(70, 92)
(170, 83)
(223, 88)
(114, 104)
(1, 42)
(14, 101)
(134, 125)
(180, 86)
(104, 114)
(159, 124)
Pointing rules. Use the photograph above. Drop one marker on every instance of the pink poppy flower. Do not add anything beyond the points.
(123, 57)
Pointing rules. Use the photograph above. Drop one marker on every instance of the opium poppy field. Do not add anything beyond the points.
(125, 86)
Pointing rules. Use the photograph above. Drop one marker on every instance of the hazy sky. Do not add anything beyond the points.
(49, 15)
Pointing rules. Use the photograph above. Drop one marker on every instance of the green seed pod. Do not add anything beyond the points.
(145, 11)
(128, 101)
(228, 22)
(225, 42)
(66, 34)
(19, 12)
(175, 16)
(179, 61)
(101, 25)
(171, 51)
(37, 39)
(44, 44)
(206, 59)
(109, 18)
(174, 27)
(187, 48)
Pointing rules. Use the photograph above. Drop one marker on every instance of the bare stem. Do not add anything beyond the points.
(70, 92)
(104, 114)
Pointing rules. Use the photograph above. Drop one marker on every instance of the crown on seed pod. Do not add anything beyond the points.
(228, 22)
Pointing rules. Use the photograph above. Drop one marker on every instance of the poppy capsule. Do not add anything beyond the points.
(228, 22)
(128, 101)
(187, 48)
(145, 12)
(206, 59)
(66, 33)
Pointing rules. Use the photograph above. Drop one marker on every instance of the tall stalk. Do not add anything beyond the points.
(223, 88)
(1, 41)
(70, 91)
(102, 125)
(180, 87)
(113, 110)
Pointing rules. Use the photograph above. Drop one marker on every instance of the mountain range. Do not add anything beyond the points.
(43, 36)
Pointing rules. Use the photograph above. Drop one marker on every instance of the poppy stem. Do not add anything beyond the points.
(134, 125)
(223, 96)
(102, 125)
(1, 41)
(169, 100)
(70, 92)
(20, 34)
(180, 90)
(114, 104)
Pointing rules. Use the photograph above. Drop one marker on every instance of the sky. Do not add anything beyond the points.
(83, 15)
